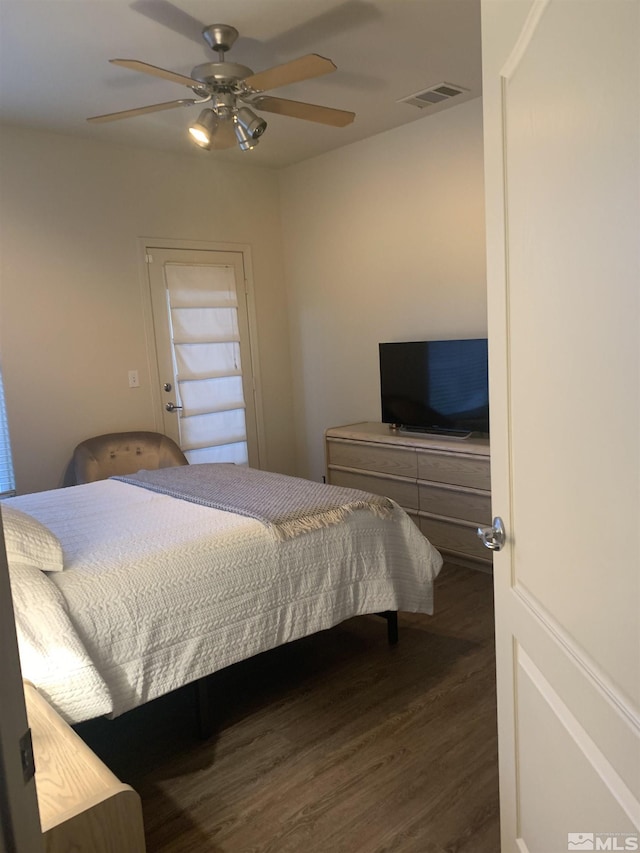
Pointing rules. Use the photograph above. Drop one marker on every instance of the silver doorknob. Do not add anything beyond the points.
(171, 407)
(493, 537)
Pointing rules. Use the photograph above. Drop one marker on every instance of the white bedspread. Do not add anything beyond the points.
(157, 592)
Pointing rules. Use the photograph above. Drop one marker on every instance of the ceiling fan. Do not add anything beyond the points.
(232, 92)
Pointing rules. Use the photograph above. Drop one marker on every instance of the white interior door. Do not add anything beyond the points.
(562, 147)
(207, 388)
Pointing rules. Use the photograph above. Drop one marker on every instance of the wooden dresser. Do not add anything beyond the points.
(444, 484)
(83, 807)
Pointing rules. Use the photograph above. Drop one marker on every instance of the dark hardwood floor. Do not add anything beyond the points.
(336, 743)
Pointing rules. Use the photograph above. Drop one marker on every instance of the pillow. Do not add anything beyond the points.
(28, 542)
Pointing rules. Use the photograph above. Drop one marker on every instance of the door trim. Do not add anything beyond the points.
(146, 245)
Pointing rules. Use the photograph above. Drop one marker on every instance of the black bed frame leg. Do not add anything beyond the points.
(392, 625)
(204, 710)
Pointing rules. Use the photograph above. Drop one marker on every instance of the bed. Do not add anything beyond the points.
(124, 591)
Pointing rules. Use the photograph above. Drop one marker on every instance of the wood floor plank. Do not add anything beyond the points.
(337, 743)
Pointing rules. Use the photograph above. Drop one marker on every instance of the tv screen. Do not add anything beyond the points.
(439, 387)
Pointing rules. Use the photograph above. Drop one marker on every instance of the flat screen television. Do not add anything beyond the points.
(439, 387)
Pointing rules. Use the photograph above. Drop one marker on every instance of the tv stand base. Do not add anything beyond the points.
(418, 431)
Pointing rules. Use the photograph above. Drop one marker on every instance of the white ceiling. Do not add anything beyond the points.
(54, 69)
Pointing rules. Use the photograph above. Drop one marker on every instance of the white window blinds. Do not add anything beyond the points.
(205, 337)
(7, 482)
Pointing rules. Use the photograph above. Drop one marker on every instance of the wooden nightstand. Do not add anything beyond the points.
(83, 807)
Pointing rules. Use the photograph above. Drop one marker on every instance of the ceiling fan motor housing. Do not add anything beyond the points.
(221, 73)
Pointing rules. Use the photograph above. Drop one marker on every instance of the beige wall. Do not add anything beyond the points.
(384, 241)
(71, 318)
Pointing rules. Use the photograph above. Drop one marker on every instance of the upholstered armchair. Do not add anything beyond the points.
(123, 453)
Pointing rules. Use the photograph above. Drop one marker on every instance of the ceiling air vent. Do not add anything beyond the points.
(434, 95)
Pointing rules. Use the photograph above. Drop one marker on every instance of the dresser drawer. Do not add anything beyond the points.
(444, 485)
(458, 538)
(403, 493)
(373, 457)
(455, 469)
(469, 506)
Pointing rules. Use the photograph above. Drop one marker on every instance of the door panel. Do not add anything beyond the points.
(203, 351)
(546, 751)
(562, 159)
(570, 382)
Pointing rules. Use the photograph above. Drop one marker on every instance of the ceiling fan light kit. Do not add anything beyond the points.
(252, 124)
(231, 90)
(245, 142)
(203, 130)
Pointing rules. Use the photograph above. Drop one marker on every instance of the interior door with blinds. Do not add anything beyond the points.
(203, 351)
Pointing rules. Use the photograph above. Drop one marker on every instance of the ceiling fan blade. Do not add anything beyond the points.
(309, 112)
(152, 108)
(145, 68)
(167, 15)
(299, 69)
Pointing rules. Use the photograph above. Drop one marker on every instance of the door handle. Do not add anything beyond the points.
(493, 537)
(171, 407)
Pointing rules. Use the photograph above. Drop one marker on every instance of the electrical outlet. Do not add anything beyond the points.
(134, 381)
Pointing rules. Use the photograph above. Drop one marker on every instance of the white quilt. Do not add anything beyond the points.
(157, 592)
